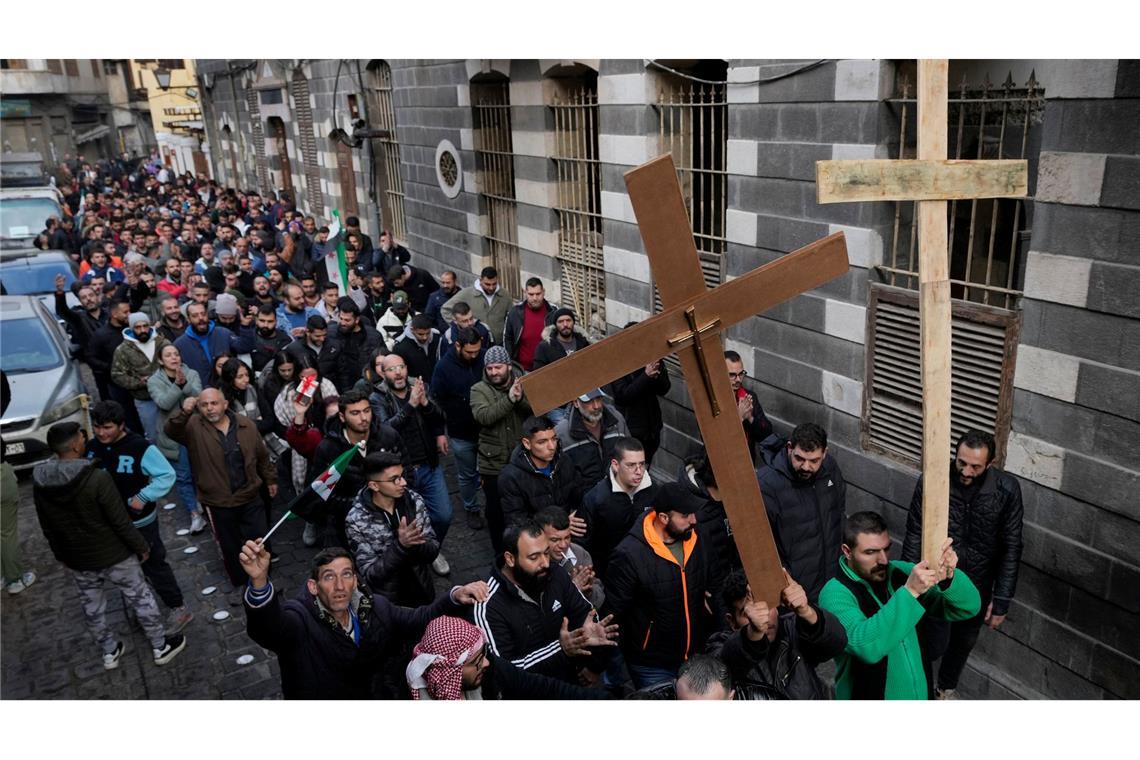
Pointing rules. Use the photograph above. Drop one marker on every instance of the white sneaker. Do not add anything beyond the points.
(197, 522)
(111, 661)
(309, 537)
(439, 565)
(21, 583)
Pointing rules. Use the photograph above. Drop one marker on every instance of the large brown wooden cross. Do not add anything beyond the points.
(691, 326)
(931, 180)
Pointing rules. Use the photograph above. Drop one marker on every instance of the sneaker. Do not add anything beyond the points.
(197, 522)
(170, 649)
(21, 583)
(439, 565)
(475, 520)
(309, 537)
(177, 619)
(111, 661)
(946, 694)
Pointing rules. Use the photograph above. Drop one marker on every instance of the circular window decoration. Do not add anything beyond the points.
(448, 169)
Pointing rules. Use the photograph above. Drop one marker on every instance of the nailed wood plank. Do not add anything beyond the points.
(933, 179)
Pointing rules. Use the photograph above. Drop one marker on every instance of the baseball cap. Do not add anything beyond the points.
(592, 394)
(674, 497)
(400, 298)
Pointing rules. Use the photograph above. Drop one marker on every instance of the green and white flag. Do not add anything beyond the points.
(332, 252)
(322, 487)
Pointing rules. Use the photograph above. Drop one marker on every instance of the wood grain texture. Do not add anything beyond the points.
(889, 180)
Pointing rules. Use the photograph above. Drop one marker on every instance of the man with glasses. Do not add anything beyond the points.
(332, 640)
(611, 507)
(391, 535)
(756, 424)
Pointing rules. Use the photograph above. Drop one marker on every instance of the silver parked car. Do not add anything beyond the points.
(44, 380)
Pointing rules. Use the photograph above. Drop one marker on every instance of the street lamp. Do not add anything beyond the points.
(162, 76)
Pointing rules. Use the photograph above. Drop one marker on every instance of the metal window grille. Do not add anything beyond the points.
(280, 160)
(110, 68)
(985, 234)
(985, 239)
(54, 66)
(308, 141)
(583, 277)
(258, 139)
(494, 165)
(71, 66)
(693, 127)
(96, 68)
(390, 183)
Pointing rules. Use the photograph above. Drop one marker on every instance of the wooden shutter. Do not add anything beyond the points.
(308, 143)
(983, 353)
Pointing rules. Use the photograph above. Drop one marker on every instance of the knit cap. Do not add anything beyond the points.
(496, 355)
(137, 317)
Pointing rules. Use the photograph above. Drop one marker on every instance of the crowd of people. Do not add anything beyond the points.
(233, 368)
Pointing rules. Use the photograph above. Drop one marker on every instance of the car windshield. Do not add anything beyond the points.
(26, 346)
(23, 278)
(25, 217)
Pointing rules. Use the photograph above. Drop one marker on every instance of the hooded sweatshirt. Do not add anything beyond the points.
(134, 361)
(82, 515)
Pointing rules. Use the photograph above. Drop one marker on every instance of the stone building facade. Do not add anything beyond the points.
(520, 162)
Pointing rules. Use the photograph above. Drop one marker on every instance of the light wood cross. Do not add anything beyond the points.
(691, 326)
(931, 180)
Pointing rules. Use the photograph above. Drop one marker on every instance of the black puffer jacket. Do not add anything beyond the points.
(659, 606)
(806, 518)
(591, 457)
(715, 529)
(609, 515)
(524, 490)
(786, 665)
(635, 396)
(986, 528)
(345, 355)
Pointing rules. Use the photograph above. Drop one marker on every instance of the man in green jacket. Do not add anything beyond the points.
(498, 405)
(880, 602)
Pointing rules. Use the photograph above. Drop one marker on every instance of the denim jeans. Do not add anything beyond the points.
(148, 416)
(184, 483)
(645, 676)
(466, 462)
(428, 482)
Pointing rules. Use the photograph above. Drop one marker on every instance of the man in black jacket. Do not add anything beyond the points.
(419, 346)
(333, 640)
(752, 417)
(83, 320)
(268, 339)
(101, 349)
(806, 499)
(635, 396)
(588, 433)
(778, 648)
(538, 476)
(985, 522)
(416, 282)
(656, 587)
(613, 505)
(346, 354)
(459, 368)
(535, 616)
(526, 322)
(561, 337)
(308, 347)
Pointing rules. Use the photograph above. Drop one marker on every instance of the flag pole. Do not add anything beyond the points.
(275, 527)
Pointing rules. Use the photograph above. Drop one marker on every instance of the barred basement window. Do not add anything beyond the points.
(55, 66)
(986, 262)
(304, 111)
(258, 139)
(71, 66)
(495, 176)
(389, 184)
(583, 278)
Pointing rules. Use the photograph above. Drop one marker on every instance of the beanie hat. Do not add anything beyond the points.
(137, 317)
(226, 305)
(563, 312)
(496, 355)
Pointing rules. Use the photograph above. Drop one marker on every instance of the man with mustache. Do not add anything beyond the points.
(880, 603)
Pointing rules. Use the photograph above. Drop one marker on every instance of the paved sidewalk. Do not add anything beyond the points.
(46, 652)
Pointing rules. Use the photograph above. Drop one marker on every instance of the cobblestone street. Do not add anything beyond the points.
(48, 654)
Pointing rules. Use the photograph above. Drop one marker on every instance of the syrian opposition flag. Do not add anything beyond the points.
(332, 252)
(322, 487)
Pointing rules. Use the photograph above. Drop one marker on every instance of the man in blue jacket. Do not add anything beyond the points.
(203, 340)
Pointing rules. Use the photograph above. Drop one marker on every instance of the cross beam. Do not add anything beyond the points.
(931, 181)
(691, 325)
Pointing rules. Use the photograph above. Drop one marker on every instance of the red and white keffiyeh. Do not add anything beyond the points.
(438, 659)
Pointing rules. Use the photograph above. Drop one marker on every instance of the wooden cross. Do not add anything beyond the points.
(690, 326)
(931, 180)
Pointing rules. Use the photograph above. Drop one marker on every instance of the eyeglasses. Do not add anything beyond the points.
(394, 479)
(737, 375)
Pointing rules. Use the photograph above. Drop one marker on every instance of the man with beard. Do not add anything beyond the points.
(525, 323)
(376, 297)
(985, 522)
(536, 617)
(101, 350)
(262, 292)
(560, 338)
(538, 476)
(83, 320)
(498, 406)
(172, 323)
(393, 322)
(347, 353)
(588, 435)
(132, 364)
(268, 340)
(203, 340)
(294, 312)
(416, 282)
(230, 462)
(464, 318)
(880, 603)
(806, 497)
(752, 417)
(419, 346)
(656, 586)
(406, 407)
(390, 534)
(308, 347)
(447, 288)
